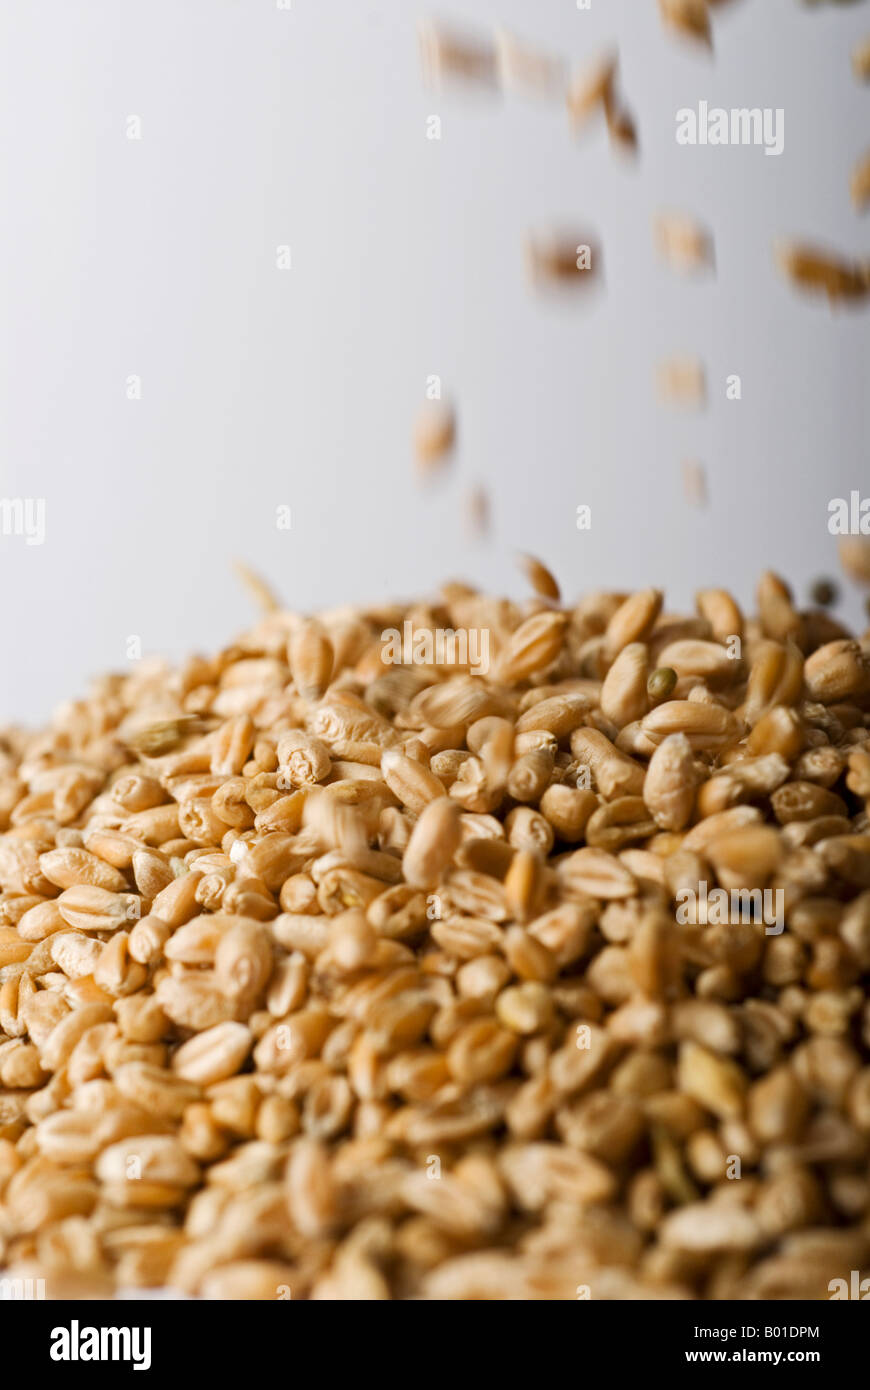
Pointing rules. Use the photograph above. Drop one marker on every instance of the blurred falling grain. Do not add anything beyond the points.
(434, 435)
(683, 243)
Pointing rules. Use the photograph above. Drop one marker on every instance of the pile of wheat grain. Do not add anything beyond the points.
(326, 978)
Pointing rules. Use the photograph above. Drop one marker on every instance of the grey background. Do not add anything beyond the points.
(260, 387)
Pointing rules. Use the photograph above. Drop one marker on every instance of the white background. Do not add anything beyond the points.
(262, 127)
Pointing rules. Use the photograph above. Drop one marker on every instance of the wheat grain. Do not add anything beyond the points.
(434, 435)
(691, 17)
(683, 242)
(859, 184)
(682, 381)
(820, 271)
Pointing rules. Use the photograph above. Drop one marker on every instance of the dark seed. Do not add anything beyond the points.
(661, 683)
(824, 592)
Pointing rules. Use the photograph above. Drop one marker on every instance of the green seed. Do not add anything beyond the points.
(661, 683)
